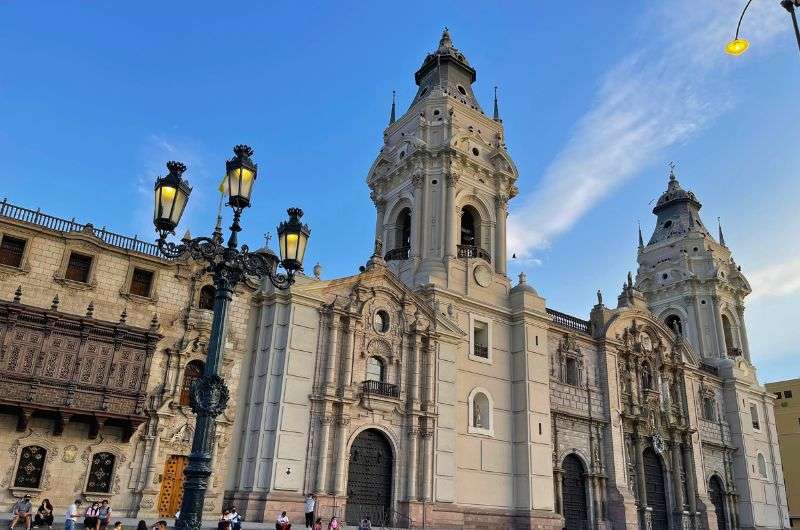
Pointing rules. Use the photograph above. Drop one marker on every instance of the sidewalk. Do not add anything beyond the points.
(130, 524)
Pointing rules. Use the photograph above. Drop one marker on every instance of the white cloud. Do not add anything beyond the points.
(782, 279)
(652, 99)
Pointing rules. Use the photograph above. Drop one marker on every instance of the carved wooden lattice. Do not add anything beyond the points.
(171, 495)
(31, 466)
(101, 473)
(369, 483)
(574, 494)
(656, 495)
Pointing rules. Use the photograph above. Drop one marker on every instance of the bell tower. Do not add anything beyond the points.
(691, 280)
(442, 181)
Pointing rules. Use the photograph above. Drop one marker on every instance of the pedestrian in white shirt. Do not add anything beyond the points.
(71, 515)
(310, 504)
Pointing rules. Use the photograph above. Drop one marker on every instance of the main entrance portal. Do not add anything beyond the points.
(656, 497)
(369, 479)
(715, 491)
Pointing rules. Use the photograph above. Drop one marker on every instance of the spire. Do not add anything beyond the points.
(641, 241)
(721, 235)
(496, 116)
(217, 236)
(446, 41)
(392, 114)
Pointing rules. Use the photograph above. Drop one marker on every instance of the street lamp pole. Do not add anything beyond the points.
(789, 5)
(228, 264)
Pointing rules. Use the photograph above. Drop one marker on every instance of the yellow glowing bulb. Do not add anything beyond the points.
(737, 46)
(168, 193)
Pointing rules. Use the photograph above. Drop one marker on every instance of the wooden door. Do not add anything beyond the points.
(169, 501)
(573, 491)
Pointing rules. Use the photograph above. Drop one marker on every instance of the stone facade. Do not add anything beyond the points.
(74, 434)
(787, 424)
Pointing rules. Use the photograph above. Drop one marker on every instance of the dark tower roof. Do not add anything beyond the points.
(446, 68)
(678, 212)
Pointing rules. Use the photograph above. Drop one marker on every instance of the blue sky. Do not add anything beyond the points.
(596, 98)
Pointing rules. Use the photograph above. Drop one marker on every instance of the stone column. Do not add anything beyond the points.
(558, 486)
(676, 475)
(501, 215)
(453, 220)
(411, 482)
(322, 460)
(417, 217)
(380, 233)
(640, 479)
(341, 455)
(333, 346)
(598, 504)
(743, 332)
(430, 368)
(427, 462)
(413, 366)
(688, 468)
(347, 355)
(698, 323)
(723, 346)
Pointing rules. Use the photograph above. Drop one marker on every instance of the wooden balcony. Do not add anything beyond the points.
(72, 368)
(471, 251)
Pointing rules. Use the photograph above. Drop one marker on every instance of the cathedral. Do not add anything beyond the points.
(429, 390)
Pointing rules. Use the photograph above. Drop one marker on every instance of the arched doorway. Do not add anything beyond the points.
(469, 226)
(717, 494)
(369, 478)
(573, 491)
(656, 495)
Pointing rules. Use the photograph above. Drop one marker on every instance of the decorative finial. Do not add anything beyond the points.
(523, 278)
(154, 322)
(317, 271)
(599, 297)
(671, 166)
(243, 151)
(630, 280)
(176, 167)
(721, 235)
(641, 241)
(496, 107)
(446, 41)
(392, 113)
(90, 310)
(187, 236)
(18, 295)
(124, 316)
(267, 239)
(54, 304)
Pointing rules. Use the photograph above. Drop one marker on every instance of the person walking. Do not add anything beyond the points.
(21, 511)
(310, 505)
(72, 515)
(103, 515)
(236, 519)
(44, 515)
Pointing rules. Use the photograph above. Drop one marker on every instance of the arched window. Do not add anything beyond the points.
(647, 377)
(403, 237)
(728, 332)
(30, 467)
(375, 369)
(100, 473)
(469, 227)
(674, 323)
(193, 372)
(762, 465)
(381, 321)
(480, 412)
(207, 294)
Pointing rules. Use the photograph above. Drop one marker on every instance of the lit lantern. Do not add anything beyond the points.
(737, 46)
(240, 174)
(171, 195)
(293, 239)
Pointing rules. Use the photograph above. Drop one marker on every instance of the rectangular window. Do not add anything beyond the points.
(78, 268)
(141, 282)
(778, 395)
(754, 417)
(787, 394)
(571, 377)
(11, 250)
(480, 339)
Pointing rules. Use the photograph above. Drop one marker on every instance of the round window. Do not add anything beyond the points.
(436, 112)
(664, 276)
(475, 151)
(667, 224)
(462, 90)
(381, 321)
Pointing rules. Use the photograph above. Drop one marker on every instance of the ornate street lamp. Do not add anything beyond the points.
(228, 264)
(739, 45)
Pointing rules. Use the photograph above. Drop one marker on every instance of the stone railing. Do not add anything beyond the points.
(397, 254)
(381, 389)
(471, 251)
(569, 321)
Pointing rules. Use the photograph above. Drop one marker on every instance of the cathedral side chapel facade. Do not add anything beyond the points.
(427, 390)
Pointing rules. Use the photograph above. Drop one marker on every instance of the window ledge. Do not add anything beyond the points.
(484, 360)
(481, 431)
(77, 286)
(138, 299)
(19, 492)
(14, 271)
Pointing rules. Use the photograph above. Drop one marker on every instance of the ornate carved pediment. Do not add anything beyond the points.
(380, 348)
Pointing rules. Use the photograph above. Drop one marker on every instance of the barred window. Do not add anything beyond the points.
(207, 294)
(11, 251)
(100, 473)
(78, 268)
(141, 282)
(31, 466)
